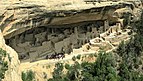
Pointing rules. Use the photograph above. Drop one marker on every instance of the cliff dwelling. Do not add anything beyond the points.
(53, 33)
(43, 42)
(71, 40)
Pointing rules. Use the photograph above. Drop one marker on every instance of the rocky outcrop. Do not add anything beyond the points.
(19, 16)
(38, 28)
(12, 74)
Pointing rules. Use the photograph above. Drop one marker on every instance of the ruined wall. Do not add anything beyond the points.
(35, 27)
(18, 16)
(39, 43)
(29, 27)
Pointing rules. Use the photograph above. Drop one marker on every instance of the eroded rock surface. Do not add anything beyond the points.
(13, 73)
(19, 16)
(36, 29)
(43, 29)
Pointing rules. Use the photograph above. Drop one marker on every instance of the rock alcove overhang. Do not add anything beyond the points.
(62, 17)
(18, 43)
(71, 19)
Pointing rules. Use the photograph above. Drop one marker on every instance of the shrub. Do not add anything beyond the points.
(3, 63)
(67, 66)
(74, 58)
(28, 76)
(78, 57)
(91, 55)
(95, 55)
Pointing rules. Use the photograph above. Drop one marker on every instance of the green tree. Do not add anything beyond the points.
(58, 71)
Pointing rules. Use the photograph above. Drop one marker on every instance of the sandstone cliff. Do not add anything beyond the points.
(12, 74)
(18, 16)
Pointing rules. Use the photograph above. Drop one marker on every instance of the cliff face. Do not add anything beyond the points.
(19, 16)
(12, 74)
